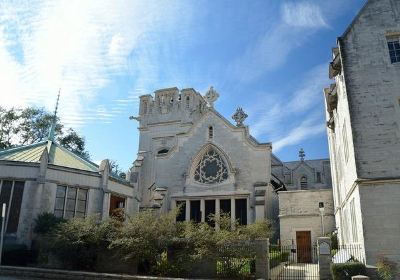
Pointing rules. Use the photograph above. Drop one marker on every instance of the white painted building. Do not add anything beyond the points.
(46, 177)
(307, 189)
(363, 119)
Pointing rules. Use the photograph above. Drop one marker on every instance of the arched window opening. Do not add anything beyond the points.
(303, 183)
(162, 152)
(210, 132)
(211, 168)
(187, 101)
(144, 109)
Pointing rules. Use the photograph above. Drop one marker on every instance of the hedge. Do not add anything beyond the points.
(344, 271)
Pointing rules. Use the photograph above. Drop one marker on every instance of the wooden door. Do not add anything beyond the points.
(303, 241)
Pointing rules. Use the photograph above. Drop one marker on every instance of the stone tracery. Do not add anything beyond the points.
(211, 168)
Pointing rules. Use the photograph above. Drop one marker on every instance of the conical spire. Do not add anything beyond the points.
(54, 121)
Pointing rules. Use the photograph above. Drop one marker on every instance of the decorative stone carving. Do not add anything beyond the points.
(239, 117)
(211, 96)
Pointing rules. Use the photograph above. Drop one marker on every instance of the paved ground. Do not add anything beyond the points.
(295, 271)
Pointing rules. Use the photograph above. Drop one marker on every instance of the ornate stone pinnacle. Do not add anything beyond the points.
(211, 96)
(239, 116)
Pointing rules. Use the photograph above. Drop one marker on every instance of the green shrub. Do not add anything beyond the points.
(77, 243)
(386, 269)
(344, 271)
(46, 223)
(155, 242)
(277, 257)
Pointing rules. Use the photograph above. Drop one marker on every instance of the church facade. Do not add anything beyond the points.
(192, 157)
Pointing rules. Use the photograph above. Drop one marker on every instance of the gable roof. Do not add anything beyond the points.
(312, 163)
(58, 155)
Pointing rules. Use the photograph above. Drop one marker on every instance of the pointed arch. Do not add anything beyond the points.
(210, 166)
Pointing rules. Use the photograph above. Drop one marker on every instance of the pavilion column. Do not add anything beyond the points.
(203, 210)
(248, 210)
(187, 210)
(217, 212)
(233, 212)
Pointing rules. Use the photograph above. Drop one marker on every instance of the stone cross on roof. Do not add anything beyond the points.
(239, 116)
(302, 155)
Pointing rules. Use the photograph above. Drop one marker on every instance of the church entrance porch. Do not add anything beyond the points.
(201, 209)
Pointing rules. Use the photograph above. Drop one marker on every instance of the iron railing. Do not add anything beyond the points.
(293, 262)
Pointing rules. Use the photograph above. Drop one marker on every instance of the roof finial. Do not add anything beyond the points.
(54, 121)
(239, 116)
(302, 155)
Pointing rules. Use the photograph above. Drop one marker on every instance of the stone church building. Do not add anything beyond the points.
(191, 157)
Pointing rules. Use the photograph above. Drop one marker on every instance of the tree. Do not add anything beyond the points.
(32, 125)
(114, 168)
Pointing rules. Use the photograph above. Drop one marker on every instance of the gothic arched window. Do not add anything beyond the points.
(303, 183)
(211, 168)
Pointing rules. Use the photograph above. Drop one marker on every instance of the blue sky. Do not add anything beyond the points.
(269, 57)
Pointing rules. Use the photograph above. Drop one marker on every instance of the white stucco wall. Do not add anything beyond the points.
(298, 211)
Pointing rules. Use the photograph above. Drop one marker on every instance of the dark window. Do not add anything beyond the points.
(15, 208)
(187, 101)
(303, 183)
(163, 152)
(318, 177)
(195, 213)
(225, 206)
(13, 204)
(210, 132)
(181, 216)
(210, 211)
(70, 202)
(241, 210)
(394, 50)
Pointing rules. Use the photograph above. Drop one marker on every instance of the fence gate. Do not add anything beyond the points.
(294, 261)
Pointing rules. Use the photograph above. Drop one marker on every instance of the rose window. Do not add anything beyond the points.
(211, 168)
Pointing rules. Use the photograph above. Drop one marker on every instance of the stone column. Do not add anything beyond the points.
(106, 205)
(203, 210)
(262, 262)
(187, 210)
(217, 212)
(233, 213)
(324, 258)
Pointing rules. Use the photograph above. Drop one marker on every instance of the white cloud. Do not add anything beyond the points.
(303, 14)
(298, 21)
(78, 46)
(304, 130)
(293, 117)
